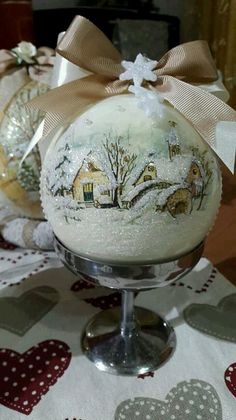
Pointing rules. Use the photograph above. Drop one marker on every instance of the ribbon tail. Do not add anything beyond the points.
(35, 139)
(202, 109)
(226, 143)
(74, 97)
(216, 88)
(64, 103)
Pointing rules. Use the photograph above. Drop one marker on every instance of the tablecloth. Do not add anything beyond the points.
(45, 376)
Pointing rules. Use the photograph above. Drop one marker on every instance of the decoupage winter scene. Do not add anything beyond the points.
(19, 184)
(118, 185)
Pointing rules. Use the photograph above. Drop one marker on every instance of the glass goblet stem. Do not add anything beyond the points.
(128, 322)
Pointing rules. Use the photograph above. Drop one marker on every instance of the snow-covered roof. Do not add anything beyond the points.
(177, 169)
(139, 188)
(101, 165)
(138, 170)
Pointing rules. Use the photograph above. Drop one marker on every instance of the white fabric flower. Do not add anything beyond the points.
(139, 70)
(25, 51)
(149, 100)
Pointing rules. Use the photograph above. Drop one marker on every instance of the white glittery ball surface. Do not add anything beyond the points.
(120, 186)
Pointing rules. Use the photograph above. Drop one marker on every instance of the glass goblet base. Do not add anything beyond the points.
(141, 348)
(129, 340)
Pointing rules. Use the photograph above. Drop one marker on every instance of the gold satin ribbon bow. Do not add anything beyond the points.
(178, 72)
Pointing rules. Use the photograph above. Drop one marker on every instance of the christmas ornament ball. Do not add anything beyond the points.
(19, 185)
(119, 186)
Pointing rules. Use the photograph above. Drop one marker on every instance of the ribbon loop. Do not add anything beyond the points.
(191, 62)
(86, 46)
(179, 72)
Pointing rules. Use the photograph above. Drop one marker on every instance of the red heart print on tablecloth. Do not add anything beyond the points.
(82, 285)
(26, 377)
(230, 379)
(99, 297)
(146, 375)
(6, 245)
(201, 289)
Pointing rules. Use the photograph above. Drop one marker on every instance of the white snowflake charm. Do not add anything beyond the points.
(149, 100)
(139, 70)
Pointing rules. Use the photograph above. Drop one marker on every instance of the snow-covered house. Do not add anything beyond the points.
(195, 178)
(183, 168)
(136, 194)
(183, 173)
(91, 185)
(177, 199)
(148, 173)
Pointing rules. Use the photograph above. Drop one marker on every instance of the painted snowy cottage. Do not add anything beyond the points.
(177, 181)
(149, 173)
(91, 185)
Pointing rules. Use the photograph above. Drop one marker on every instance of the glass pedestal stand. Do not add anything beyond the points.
(130, 340)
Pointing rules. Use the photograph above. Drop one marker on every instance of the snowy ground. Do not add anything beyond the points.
(136, 234)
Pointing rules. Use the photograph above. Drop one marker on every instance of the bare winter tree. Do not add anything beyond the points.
(207, 170)
(59, 184)
(121, 163)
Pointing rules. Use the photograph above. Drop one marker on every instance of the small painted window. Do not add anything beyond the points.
(147, 178)
(88, 192)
